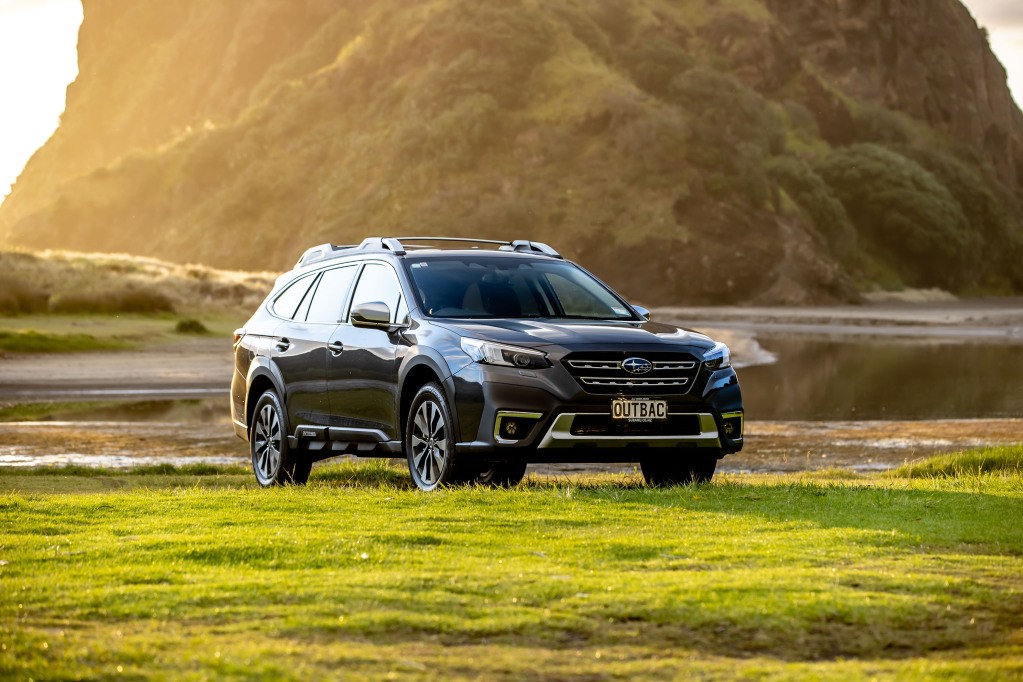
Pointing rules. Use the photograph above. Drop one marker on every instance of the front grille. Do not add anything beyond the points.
(603, 425)
(602, 373)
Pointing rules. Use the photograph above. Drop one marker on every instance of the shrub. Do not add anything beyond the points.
(726, 112)
(584, 28)
(908, 215)
(873, 123)
(614, 17)
(190, 325)
(732, 131)
(485, 46)
(655, 63)
(989, 214)
(817, 200)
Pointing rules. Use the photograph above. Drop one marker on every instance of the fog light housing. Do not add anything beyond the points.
(731, 425)
(512, 427)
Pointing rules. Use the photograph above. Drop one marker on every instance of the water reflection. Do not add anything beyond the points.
(824, 379)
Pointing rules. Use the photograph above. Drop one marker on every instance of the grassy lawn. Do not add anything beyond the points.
(194, 573)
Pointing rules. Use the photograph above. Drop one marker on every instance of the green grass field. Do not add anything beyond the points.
(194, 573)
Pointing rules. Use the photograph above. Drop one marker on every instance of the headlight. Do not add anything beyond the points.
(508, 356)
(717, 357)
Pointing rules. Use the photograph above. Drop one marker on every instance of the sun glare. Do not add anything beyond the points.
(38, 59)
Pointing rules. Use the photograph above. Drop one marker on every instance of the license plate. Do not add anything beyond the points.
(639, 410)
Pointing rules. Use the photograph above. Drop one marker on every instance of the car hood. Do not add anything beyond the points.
(575, 333)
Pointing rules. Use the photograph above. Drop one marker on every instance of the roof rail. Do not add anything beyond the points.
(396, 246)
(321, 252)
(524, 246)
(519, 245)
(450, 239)
(385, 243)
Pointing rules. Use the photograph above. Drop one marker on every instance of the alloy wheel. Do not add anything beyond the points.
(266, 449)
(429, 443)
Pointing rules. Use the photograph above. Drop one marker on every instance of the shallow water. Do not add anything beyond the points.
(819, 379)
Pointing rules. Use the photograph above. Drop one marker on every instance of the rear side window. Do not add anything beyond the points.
(379, 283)
(287, 301)
(330, 295)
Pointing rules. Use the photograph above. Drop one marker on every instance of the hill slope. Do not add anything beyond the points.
(693, 151)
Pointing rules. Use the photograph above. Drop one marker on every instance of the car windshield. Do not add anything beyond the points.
(496, 287)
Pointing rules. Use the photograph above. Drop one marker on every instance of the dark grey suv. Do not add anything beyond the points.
(472, 363)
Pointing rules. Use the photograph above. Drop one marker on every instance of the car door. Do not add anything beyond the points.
(302, 353)
(362, 368)
(295, 354)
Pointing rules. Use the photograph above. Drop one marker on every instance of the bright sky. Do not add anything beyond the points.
(1004, 21)
(38, 58)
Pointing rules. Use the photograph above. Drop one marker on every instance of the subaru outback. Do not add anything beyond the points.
(472, 362)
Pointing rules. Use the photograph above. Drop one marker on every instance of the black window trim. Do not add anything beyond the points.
(348, 297)
(272, 300)
(358, 278)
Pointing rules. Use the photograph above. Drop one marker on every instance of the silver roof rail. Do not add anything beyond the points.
(385, 243)
(450, 239)
(524, 246)
(395, 245)
(519, 245)
(321, 252)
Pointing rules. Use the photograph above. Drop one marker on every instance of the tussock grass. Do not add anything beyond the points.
(109, 301)
(1007, 459)
(191, 325)
(76, 283)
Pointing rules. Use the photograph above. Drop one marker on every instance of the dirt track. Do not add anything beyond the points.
(771, 446)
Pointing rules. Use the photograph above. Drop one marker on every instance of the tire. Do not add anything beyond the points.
(274, 461)
(502, 474)
(680, 468)
(430, 440)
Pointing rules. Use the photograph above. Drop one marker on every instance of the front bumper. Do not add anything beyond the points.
(484, 394)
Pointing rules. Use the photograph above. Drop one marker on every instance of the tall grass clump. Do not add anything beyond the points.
(135, 300)
(18, 297)
(1006, 459)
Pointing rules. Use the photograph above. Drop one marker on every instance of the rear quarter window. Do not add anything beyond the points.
(288, 301)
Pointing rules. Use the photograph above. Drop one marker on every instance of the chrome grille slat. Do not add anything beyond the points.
(595, 364)
(614, 364)
(673, 365)
(604, 373)
(654, 381)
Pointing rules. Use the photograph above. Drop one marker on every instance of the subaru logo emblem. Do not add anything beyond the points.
(637, 365)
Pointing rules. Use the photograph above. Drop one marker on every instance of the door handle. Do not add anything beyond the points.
(282, 345)
(336, 348)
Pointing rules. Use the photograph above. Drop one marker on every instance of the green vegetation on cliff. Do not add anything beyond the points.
(702, 151)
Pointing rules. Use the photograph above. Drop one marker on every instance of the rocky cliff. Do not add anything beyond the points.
(697, 151)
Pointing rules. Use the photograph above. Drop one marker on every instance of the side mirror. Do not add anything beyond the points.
(643, 312)
(373, 315)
